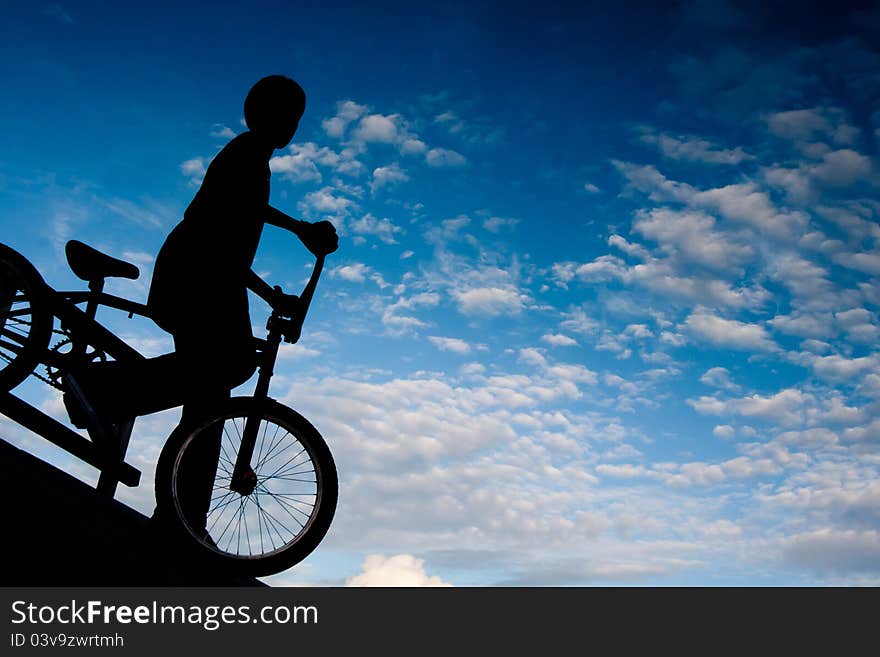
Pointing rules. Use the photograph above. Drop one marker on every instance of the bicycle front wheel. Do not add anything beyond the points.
(25, 319)
(290, 508)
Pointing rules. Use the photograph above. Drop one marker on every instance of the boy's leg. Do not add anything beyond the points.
(212, 367)
(199, 469)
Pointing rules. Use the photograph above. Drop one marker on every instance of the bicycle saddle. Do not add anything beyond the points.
(90, 264)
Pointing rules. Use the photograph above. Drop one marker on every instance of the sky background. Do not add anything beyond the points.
(604, 309)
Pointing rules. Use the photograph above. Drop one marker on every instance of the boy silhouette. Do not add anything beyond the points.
(199, 289)
(203, 270)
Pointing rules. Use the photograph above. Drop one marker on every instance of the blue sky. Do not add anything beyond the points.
(605, 305)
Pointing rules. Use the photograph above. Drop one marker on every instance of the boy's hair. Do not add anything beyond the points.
(272, 101)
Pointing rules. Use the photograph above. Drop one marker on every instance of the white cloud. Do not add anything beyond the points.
(869, 432)
(412, 146)
(804, 325)
(638, 331)
(396, 321)
(718, 377)
(834, 551)
(455, 345)
(220, 131)
(691, 236)
(742, 203)
(630, 248)
(299, 162)
(724, 431)
(578, 321)
(805, 279)
(854, 219)
(443, 157)
(807, 125)
(386, 175)
(786, 407)
(591, 188)
(489, 301)
(296, 352)
(346, 112)
(377, 128)
(354, 273)
(494, 224)
(383, 229)
(859, 325)
(194, 169)
(327, 200)
(559, 340)
(746, 204)
(869, 263)
(841, 168)
(729, 332)
(693, 149)
(661, 277)
(840, 368)
(398, 570)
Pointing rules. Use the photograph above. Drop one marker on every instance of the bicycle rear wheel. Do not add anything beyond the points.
(25, 319)
(286, 515)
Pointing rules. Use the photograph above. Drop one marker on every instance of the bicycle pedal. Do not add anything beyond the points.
(83, 415)
(77, 413)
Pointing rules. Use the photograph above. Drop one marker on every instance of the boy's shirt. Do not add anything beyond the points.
(204, 263)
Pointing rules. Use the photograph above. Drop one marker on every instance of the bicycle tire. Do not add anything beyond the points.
(171, 480)
(25, 318)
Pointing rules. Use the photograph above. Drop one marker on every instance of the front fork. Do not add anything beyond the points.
(244, 479)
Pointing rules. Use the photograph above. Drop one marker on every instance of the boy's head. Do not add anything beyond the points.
(273, 108)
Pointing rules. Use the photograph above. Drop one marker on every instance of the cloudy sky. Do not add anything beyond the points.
(605, 305)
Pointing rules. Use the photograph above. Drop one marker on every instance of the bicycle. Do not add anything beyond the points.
(276, 487)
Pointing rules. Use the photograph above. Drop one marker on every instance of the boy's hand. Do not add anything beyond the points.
(320, 237)
(285, 304)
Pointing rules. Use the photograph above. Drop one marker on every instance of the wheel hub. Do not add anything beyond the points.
(246, 484)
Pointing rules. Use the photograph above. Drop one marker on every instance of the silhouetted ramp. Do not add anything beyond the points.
(59, 532)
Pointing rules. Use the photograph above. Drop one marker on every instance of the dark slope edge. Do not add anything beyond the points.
(58, 532)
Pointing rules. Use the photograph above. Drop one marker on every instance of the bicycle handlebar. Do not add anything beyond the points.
(309, 290)
(291, 328)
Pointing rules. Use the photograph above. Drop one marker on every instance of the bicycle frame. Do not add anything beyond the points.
(278, 327)
(85, 332)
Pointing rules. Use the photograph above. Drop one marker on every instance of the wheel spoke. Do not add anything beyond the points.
(262, 440)
(303, 481)
(238, 524)
(285, 527)
(247, 534)
(17, 313)
(260, 523)
(231, 518)
(14, 348)
(219, 515)
(288, 507)
(288, 461)
(271, 446)
(292, 470)
(270, 524)
(224, 505)
(224, 455)
(14, 335)
(271, 454)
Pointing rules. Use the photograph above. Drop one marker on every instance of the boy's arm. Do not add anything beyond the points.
(260, 287)
(320, 237)
(287, 304)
